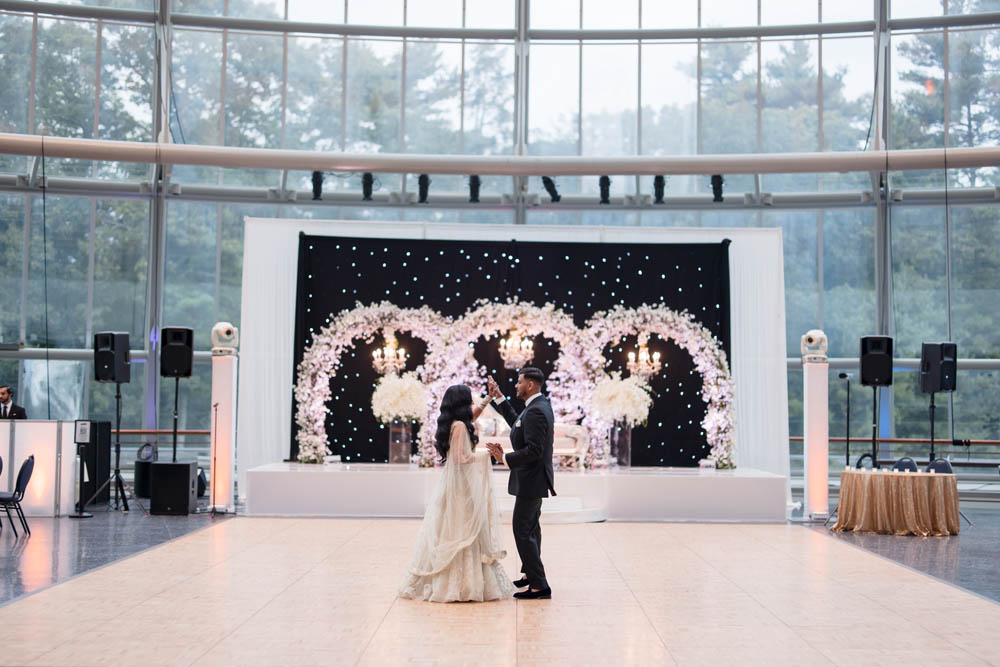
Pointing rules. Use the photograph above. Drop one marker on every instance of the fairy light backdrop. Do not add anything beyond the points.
(336, 273)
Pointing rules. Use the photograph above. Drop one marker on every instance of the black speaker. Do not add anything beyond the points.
(172, 487)
(141, 479)
(111, 358)
(202, 483)
(176, 352)
(97, 457)
(876, 361)
(938, 367)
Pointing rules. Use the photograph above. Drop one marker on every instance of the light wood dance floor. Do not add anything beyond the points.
(322, 592)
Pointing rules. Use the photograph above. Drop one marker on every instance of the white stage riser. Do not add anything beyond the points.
(650, 494)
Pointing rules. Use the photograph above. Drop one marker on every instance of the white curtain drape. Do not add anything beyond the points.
(270, 256)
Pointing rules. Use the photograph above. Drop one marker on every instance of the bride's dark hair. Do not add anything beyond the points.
(455, 406)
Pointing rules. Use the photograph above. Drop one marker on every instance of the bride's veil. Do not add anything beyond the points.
(462, 511)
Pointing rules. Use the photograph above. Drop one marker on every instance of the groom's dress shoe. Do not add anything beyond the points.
(544, 594)
(521, 583)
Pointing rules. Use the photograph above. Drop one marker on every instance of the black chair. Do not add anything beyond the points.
(942, 466)
(905, 463)
(9, 499)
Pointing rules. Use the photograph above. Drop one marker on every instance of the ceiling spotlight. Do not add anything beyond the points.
(423, 185)
(659, 183)
(717, 187)
(367, 180)
(550, 187)
(474, 183)
(317, 185)
(604, 183)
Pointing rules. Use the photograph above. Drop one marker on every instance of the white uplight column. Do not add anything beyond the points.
(816, 427)
(225, 360)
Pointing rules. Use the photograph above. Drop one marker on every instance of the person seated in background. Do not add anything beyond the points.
(7, 408)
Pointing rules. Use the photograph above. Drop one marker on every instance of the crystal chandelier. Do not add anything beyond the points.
(389, 359)
(643, 366)
(515, 351)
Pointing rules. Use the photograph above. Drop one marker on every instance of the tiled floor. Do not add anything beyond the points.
(298, 591)
(968, 559)
(60, 549)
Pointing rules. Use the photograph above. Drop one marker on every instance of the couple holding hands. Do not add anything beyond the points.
(459, 548)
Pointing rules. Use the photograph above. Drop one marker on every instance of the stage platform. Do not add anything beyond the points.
(622, 494)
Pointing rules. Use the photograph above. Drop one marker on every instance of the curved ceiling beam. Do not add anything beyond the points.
(269, 158)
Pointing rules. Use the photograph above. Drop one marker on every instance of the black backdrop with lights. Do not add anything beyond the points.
(449, 276)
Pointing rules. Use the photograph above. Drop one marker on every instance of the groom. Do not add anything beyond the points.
(530, 473)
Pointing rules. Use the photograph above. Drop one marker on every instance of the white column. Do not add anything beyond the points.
(224, 371)
(816, 448)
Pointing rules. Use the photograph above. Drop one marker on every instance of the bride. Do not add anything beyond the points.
(459, 548)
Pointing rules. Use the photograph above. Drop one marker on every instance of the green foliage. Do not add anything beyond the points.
(451, 109)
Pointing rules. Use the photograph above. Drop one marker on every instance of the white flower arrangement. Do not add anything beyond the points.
(399, 397)
(622, 399)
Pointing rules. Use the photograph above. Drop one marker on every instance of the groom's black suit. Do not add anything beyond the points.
(530, 466)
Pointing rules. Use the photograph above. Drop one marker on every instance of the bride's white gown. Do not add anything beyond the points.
(459, 548)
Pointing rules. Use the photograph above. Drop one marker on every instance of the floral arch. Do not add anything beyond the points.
(577, 368)
(321, 360)
(705, 350)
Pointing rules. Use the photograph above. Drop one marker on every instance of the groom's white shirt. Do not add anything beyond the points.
(498, 401)
(527, 402)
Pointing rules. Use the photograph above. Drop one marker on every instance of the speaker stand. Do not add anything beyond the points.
(177, 385)
(874, 453)
(875, 427)
(932, 427)
(116, 476)
(847, 417)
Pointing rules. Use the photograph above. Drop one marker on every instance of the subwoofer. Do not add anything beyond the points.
(172, 487)
(876, 361)
(176, 352)
(111, 357)
(938, 367)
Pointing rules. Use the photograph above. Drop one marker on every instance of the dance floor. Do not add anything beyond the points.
(322, 592)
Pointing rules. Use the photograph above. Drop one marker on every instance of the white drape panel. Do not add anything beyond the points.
(270, 256)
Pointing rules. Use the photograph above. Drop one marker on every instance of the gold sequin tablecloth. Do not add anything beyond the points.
(898, 503)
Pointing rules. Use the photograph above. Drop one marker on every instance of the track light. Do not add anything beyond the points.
(317, 185)
(423, 185)
(717, 187)
(367, 180)
(659, 183)
(604, 183)
(550, 187)
(474, 183)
